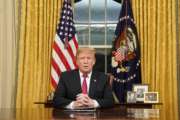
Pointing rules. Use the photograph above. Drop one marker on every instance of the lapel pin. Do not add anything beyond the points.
(94, 80)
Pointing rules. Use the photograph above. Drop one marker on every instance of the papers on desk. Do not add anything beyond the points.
(82, 109)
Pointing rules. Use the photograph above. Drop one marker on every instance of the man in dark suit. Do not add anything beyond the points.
(83, 87)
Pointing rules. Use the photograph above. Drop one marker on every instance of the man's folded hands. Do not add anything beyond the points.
(83, 100)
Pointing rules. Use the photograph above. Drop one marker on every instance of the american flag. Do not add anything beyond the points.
(119, 55)
(65, 45)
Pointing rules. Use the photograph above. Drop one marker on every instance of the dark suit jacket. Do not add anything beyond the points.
(69, 86)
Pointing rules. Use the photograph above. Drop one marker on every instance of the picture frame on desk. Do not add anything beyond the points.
(131, 97)
(151, 97)
(140, 89)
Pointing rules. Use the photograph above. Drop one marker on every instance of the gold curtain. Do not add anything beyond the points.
(38, 20)
(156, 23)
(178, 51)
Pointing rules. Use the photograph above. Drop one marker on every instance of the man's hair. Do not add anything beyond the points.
(85, 49)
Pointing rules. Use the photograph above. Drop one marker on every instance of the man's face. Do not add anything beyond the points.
(85, 61)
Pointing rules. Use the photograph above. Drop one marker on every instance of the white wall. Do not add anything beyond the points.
(7, 53)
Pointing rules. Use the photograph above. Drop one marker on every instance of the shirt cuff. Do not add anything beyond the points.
(70, 105)
(96, 104)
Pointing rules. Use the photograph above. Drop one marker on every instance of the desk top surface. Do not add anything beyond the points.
(115, 113)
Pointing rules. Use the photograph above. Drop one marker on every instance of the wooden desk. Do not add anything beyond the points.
(139, 105)
(115, 113)
(48, 104)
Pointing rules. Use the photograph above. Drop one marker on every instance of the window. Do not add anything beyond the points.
(95, 22)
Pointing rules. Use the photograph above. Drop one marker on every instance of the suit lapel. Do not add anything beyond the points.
(93, 84)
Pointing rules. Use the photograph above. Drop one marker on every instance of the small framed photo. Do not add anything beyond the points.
(131, 97)
(151, 97)
(140, 89)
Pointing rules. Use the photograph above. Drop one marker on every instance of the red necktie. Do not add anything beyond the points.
(84, 84)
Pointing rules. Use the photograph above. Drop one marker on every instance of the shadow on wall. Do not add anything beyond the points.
(100, 62)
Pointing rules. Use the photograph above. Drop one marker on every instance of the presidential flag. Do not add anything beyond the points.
(125, 60)
(65, 45)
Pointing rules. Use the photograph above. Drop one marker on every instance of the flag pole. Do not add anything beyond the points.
(125, 29)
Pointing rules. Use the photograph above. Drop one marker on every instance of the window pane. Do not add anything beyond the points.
(113, 9)
(81, 11)
(110, 33)
(82, 34)
(92, 28)
(97, 10)
(97, 34)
